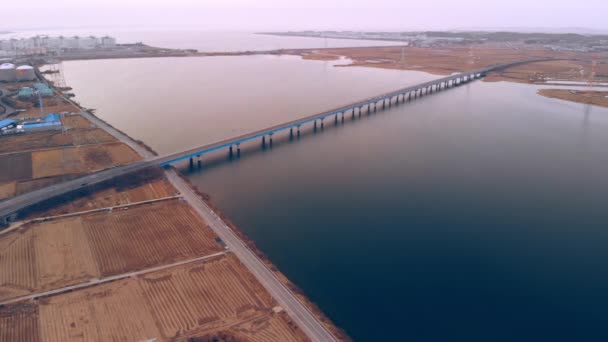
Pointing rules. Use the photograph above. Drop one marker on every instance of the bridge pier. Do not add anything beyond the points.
(352, 117)
(191, 164)
(270, 140)
(342, 117)
(375, 103)
(291, 133)
(298, 132)
(199, 164)
(238, 150)
(369, 107)
(322, 123)
(230, 154)
(315, 127)
(336, 120)
(264, 142)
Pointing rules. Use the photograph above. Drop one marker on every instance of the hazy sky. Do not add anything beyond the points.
(258, 15)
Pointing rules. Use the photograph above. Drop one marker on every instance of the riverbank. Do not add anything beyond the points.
(242, 307)
(596, 98)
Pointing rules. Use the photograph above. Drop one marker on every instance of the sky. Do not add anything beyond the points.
(275, 15)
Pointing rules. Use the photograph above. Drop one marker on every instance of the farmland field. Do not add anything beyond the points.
(19, 323)
(61, 252)
(14, 167)
(147, 235)
(204, 299)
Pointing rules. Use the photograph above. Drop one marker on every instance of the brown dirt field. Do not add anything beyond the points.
(76, 121)
(14, 167)
(110, 197)
(110, 312)
(274, 327)
(8, 190)
(597, 98)
(327, 322)
(82, 159)
(50, 139)
(19, 323)
(447, 60)
(207, 296)
(48, 255)
(204, 298)
(141, 186)
(147, 235)
(45, 256)
(53, 105)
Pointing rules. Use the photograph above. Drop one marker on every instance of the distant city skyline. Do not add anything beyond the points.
(244, 15)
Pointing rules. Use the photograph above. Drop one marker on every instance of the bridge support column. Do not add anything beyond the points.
(298, 132)
(264, 142)
(369, 108)
(342, 117)
(230, 154)
(191, 164)
(336, 120)
(375, 103)
(238, 150)
(352, 117)
(291, 133)
(322, 124)
(359, 111)
(383, 103)
(199, 164)
(270, 140)
(315, 127)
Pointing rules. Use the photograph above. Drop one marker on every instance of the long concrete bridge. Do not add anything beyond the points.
(11, 207)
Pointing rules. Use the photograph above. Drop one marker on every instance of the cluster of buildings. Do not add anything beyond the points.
(14, 126)
(38, 89)
(11, 73)
(44, 44)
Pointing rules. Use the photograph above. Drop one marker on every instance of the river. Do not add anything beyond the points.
(475, 214)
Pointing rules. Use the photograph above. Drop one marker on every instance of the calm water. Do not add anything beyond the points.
(477, 214)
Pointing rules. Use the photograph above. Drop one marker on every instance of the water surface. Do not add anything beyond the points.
(476, 214)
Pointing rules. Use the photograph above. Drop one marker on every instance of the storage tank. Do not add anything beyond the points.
(25, 73)
(7, 72)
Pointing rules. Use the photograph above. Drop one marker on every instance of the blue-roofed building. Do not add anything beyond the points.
(7, 123)
(40, 86)
(41, 124)
(52, 117)
(25, 93)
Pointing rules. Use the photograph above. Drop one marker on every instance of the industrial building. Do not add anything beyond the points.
(7, 72)
(25, 94)
(49, 121)
(25, 73)
(7, 123)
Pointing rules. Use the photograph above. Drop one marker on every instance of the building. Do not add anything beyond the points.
(7, 123)
(50, 121)
(25, 73)
(43, 44)
(8, 72)
(25, 94)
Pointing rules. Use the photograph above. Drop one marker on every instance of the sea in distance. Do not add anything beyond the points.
(474, 214)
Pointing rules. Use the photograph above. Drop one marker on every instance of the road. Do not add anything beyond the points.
(305, 319)
(302, 317)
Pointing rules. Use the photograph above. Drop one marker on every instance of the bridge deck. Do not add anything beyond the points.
(15, 204)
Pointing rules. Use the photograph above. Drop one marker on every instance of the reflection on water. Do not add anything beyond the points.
(469, 215)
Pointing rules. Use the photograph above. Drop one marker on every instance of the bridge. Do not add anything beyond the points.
(11, 207)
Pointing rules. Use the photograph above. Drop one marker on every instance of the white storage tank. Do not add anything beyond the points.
(25, 73)
(7, 72)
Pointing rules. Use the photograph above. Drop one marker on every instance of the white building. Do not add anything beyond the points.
(44, 43)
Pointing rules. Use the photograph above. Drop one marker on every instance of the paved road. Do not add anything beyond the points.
(286, 299)
(303, 318)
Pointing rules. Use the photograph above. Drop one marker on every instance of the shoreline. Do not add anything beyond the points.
(587, 97)
(338, 333)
